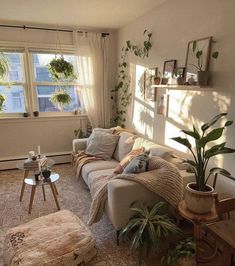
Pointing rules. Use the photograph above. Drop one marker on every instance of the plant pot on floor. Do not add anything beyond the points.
(203, 77)
(197, 201)
(187, 261)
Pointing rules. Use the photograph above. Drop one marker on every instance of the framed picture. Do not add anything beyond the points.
(149, 90)
(203, 47)
(168, 68)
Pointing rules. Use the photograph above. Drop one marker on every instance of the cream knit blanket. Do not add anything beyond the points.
(162, 178)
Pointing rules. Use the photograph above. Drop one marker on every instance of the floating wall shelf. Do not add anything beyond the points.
(184, 87)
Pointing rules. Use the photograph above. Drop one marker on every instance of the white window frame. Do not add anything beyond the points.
(29, 85)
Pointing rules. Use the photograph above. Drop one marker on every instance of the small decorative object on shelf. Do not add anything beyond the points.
(25, 114)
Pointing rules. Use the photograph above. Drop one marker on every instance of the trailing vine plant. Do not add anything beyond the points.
(121, 95)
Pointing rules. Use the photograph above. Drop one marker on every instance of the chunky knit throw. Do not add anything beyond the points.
(162, 178)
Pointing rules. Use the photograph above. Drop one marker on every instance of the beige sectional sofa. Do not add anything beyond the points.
(122, 193)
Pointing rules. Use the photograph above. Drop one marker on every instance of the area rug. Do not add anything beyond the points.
(73, 196)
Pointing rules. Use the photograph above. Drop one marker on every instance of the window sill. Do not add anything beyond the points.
(42, 118)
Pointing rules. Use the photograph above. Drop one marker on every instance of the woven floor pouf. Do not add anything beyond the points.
(60, 239)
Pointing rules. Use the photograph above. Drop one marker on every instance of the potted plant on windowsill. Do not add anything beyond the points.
(149, 229)
(60, 98)
(199, 195)
(202, 74)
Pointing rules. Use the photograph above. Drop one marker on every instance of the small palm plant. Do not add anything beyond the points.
(149, 228)
(185, 249)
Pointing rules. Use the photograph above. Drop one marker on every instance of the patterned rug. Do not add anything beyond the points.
(73, 196)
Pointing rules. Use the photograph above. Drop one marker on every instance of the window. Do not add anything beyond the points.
(29, 86)
(13, 87)
(45, 86)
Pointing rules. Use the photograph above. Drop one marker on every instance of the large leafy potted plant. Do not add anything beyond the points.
(199, 195)
(60, 98)
(149, 228)
(202, 74)
(2, 100)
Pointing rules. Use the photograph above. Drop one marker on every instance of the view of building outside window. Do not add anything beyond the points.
(14, 92)
(45, 86)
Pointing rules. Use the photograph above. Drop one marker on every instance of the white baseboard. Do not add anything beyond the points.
(10, 163)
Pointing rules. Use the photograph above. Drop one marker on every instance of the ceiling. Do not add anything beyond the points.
(103, 14)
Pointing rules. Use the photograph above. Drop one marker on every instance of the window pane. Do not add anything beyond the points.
(14, 99)
(40, 62)
(15, 67)
(45, 105)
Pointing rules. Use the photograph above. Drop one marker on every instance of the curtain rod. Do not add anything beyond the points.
(49, 29)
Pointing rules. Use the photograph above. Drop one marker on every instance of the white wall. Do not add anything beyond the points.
(18, 136)
(173, 24)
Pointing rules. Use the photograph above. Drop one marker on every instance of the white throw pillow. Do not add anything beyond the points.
(124, 145)
(102, 144)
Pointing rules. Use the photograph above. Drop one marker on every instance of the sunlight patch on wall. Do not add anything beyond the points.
(139, 82)
(143, 119)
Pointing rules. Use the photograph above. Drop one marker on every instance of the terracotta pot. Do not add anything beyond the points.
(203, 77)
(199, 202)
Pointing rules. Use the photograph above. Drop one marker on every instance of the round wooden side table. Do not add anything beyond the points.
(198, 220)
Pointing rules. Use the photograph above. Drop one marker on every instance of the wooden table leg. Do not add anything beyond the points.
(55, 196)
(32, 198)
(56, 191)
(26, 173)
(43, 192)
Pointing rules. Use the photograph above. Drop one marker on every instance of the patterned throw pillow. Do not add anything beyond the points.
(137, 164)
(125, 161)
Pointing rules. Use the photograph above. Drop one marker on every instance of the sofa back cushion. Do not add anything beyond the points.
(155, 149)
(124, 146)
(102, 144)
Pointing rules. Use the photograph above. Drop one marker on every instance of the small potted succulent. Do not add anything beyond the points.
(182, 254)
(60, 98)
(203, 75)
(60, 69)
(199, 195)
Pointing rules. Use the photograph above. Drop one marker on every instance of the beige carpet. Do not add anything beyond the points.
(72, 196)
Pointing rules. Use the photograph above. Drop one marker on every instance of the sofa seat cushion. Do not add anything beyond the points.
(96, 166)
(98, 174)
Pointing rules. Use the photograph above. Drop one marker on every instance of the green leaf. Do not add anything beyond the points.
(213, 135)
(192, 134)
(212, 121)
(219, 171)
(224, 150)
(215, 54)
(199, 54)
(211, 152)
(228, 123)
(183, 141)
(192, 163)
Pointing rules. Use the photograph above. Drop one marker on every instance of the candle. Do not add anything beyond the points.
(39, 150)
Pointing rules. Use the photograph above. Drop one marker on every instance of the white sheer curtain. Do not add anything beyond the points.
(92, 52)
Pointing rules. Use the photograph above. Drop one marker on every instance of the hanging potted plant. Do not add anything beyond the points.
(60, 98)
(202, 74)
(149, 229)
(199, 195)
(4, 69)
(60, 69)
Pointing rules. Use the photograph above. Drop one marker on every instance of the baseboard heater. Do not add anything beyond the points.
(7, 164)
